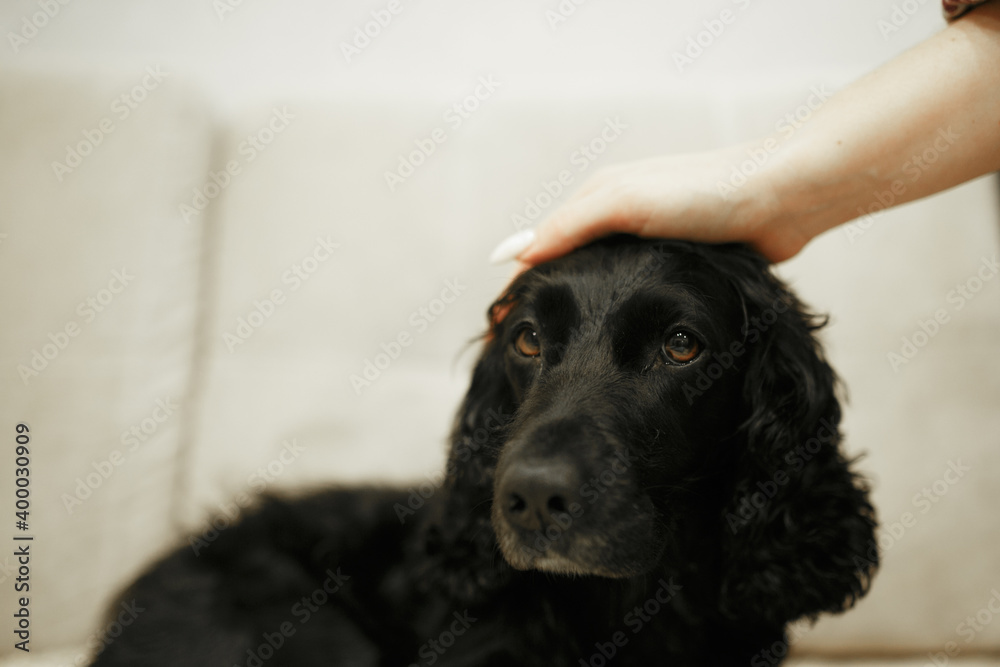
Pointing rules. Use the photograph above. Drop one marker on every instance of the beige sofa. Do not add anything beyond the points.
(186, 300)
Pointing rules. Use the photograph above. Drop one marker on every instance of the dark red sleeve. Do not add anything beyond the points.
(955, 8)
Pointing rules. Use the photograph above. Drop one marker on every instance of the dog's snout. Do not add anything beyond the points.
(534, 492)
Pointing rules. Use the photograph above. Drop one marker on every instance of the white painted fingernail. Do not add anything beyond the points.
(512, 246)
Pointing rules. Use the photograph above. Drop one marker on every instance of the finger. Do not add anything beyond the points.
(512, 246)
(574, 224)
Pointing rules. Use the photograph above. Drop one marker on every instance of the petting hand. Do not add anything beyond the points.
(676, 196)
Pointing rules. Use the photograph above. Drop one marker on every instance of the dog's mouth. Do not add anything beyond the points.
(557, 564)
(616, 547)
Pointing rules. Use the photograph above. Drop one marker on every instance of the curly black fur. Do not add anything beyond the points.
(707, 504)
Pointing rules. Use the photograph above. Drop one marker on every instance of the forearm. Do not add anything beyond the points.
(926, 121)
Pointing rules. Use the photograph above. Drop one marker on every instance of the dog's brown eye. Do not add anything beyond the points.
(681, 347)
(527, 343)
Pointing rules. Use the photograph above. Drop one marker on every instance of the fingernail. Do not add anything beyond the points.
(512, 246)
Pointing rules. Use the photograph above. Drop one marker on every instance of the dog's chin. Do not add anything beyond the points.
(558, 564)
(573, 559)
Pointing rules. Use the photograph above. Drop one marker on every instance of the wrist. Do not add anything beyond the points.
(800, 194)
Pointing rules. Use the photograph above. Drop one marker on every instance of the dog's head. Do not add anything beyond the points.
(644, 402)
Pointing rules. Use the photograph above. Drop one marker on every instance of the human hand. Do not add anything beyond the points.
(675, 196)
(862, 144)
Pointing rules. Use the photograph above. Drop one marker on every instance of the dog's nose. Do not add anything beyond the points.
(532, 493)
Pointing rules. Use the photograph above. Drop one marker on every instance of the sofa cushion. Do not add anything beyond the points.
(100, 304)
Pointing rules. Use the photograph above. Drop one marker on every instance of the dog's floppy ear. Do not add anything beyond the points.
(460, 538)
(489, 402)
(799, 531)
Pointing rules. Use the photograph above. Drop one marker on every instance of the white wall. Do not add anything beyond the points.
(263, 49)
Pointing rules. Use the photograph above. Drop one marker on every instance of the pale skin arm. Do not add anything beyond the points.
(868, 138)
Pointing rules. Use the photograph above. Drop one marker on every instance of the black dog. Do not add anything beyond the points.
(645, 470)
